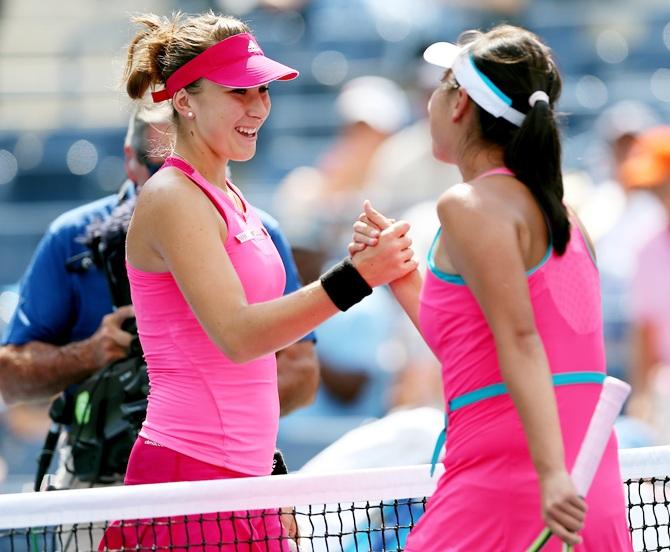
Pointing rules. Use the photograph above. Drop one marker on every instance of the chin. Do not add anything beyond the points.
(244, 156)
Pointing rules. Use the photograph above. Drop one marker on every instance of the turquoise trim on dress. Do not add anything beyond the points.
(498, 389)
(451, 278)
(538, 266)
(458, 280)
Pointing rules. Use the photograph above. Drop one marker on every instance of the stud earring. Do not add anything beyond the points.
(190, 114)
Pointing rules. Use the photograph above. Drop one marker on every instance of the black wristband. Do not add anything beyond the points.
(278, 464)
(344, 285)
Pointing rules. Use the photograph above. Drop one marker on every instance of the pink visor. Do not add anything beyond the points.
(236, 62)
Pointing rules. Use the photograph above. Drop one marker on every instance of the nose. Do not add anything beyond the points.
(259, 103)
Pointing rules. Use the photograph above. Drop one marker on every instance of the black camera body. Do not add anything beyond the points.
(108, 410)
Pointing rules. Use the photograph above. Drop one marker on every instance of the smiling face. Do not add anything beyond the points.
(228, 119)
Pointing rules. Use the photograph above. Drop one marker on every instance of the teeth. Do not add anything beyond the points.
(246, 131)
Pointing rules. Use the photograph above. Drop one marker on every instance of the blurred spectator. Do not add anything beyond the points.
(620, 220)
(648, 167)
(404, 180)
(316, 204)
(403, 171)
(357, 366)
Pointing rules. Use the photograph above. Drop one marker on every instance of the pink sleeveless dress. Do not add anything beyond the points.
(207, 416)
(488, 497)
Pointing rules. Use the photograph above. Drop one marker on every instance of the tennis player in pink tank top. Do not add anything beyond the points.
(207, 281)
(510, 305)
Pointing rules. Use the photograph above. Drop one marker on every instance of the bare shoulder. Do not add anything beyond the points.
(474, 206)
(170, 194)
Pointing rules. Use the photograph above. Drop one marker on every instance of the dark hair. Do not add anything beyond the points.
(519, 64)
(164, 44)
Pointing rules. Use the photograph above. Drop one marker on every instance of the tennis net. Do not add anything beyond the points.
(362, 510)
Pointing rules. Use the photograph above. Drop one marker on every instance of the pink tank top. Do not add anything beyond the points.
(565, 295)
(201, 403)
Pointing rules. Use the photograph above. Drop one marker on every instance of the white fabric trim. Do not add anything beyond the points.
(537, 96)
(226, 495)
(478, 86)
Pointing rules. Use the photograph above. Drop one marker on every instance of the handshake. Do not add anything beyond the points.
(380, 248)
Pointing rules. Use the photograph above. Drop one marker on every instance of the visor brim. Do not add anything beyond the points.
(251, 72)
(442, 54)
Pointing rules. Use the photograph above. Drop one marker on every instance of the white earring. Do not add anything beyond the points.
(190, 114)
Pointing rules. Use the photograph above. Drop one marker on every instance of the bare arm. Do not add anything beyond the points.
(480, 237)
(40, 370)
(406, 291)
(189, 241)
(298, 376)
(366, 232)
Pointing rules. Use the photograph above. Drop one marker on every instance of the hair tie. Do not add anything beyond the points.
(538, 96)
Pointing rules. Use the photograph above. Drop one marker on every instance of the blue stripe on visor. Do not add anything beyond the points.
(504, 97)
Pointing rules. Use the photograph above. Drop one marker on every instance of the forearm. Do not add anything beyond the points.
(525, 370)
(39, 370)
(262, 328)
(406, 291)
(297, 375)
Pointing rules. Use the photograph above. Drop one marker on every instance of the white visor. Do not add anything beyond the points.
(478, 86)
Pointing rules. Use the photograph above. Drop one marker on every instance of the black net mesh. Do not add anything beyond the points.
(362, 526)
(345, 527)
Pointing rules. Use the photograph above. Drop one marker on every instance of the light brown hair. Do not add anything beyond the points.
(164, 44)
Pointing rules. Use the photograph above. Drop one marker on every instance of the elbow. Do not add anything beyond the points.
(237, 352)
(527, 340)
(238, 340)
(233, 345)
(515, 345)
(238, 349)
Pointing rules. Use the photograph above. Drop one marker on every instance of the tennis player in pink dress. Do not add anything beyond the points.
(207, 283)
(510, 305)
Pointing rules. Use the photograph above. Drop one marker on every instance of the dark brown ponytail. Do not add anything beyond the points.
(520, 64)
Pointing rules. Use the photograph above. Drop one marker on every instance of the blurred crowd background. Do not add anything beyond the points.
(351, 127)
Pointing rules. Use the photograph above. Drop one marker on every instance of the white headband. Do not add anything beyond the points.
(478, 86)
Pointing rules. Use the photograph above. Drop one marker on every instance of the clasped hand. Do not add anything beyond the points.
(381, 249)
